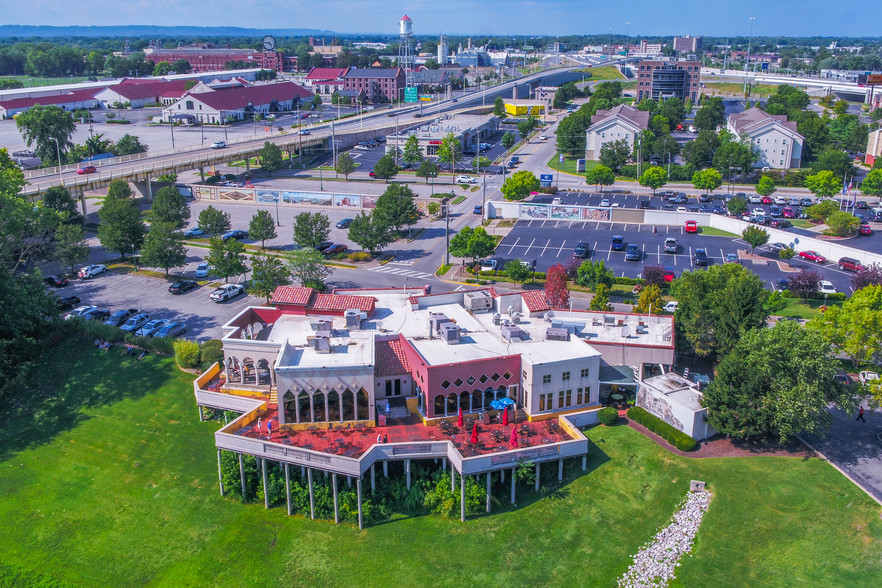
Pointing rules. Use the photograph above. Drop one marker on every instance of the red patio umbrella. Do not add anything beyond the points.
(474, 438)
(514, 437)
(505, 417)
(459, 418)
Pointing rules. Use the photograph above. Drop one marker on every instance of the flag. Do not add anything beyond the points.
(844, 185)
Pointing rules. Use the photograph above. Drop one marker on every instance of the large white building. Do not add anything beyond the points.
(237, 102)
(772, 136)
(622, 122)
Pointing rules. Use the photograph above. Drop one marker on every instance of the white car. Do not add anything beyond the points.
(616, 205)
(867, 377)
(672, 306)
(194, 232)
(202, 270)
(781, 200)
(756, 199)
(226, 292)
(80, 311)
(489, 265)
(605, 203)
(825, 287)
(465, 180)
(90, 271)
(218, 144)
(543, 137)
(758, 212)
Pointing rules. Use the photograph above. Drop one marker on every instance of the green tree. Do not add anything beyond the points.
(308, 267)
(385, 168)
(872, 184)
(41, 126)
(161, 68)
(59, 199)
(11, 177)
(717, 306)
(766, 186)
(311, 229)
(271, 157)
(71, 248)
(600, 300)
(755, 236)
(473, 243)
(820, 211)
(508, 140)
(450, 152)
(226, 258)
(855, 328)
(838, 162)
(655, 177)
(316, 101)
(163, 247)
(345, 165)
(519, 185)
(592, 274)
(169, 207)
(427, 169)
(97, 145)
(129, 145)
(499, 106)
(121, 228)
(700, 151)
(777, 381)
(711, 115)
(267, 273)
(787, 254)
(526, 126)
(517, 271)
(180, 66)
(412, 153)
(707, 179)
(673, 110)
(650, 300)
(371, 231)
(737, 206)
(480, 163)
(823, 184)
(214, 221)
(600, 176)
(615, 154)
(843, 224)
(734, 153)
(840, 107)
(262, 227)
(397, 208)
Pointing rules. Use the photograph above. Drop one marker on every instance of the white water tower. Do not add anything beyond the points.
(405, 49)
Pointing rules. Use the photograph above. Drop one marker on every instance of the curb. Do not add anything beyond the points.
(840, 470)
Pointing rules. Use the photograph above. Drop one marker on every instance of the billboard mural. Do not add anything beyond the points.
(310, 198)
(369, 201)
(268, 196)
(597, 214)
(204, 192)
(236, 194)
(534, 211)
(347, 200)
(566, 213)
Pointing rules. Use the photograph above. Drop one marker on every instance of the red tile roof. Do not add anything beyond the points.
(326, 73)
(327, 302)
(235, 98)
(535, 300)
(153, 89)
(75, 96)
(390, 359)
(298, 296)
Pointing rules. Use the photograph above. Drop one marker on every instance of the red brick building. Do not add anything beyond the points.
(206, 58)
(379, 85)
(659, 80)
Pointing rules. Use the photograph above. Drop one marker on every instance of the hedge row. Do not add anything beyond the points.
(677, 438)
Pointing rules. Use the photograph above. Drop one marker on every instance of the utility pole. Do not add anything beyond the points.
(447, 234)
(747, 63)
(334, 149)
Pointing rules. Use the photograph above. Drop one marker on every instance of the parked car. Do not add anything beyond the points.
(812, 256)
(700, 257)
(218, 144)
(238, 235)
(618, 243)
(774, 211)
(865, 229)
(87, 169)
(171, 329)
(766, 200)
(148, 328)
(633, 253)
(645, 204)
(478, 210)
(758, 211)
(303, 132)
(850, 264)
(344, 224)
(323, 245)
(670, 274)
(731, 258)
(488, 265)
(788, 212)
(581, 250)
(780, 200)
(867, 377)
(79, 311)
(120, 316)
(56, 281)
(182, 286)
(777, 247)
(670, 245)
(202, 270)
(90, 271)
(780, 223)
(334, 248)
(226, 292)
(805, 202)
(605, 203)
(96, 314)
(825, 287)
(135, 322)
(465, 180)
(67, 302)
(755, 199)
(862, 205)
(672, 306)
(718, 209)
(194, 232)
(691, 226)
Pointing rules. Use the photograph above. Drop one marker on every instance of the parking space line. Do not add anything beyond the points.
(546, 247)
(593, 251)
(559, 251)
(511, 249)
(690, 256)
(609, 253)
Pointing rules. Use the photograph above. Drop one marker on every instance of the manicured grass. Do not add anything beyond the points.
(30, 81)
(604, 72)
(715, 232)
(108, 478)
(803, 223)
(569, 165)
(458, 199)
(806, 309)
(738, 88)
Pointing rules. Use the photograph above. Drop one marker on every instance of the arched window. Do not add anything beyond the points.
(318, 403)
(440, 400)
(363, 405)
(334, 406)
(451, 403)
(303, 408)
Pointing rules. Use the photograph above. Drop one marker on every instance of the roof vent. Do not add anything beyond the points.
(557, 334)
(450, 333)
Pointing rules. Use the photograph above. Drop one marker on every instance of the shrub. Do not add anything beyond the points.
(677, 438)
(187, 353)
(212, 352)
(155, 344)
(359, 256)
(608, 416)
(627, 281)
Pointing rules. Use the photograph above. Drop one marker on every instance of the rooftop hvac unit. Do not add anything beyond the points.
(626, 331)
(547, 316)
(513, 333)
(478, 301)
(497, 318)
(516, 318)
(436, 319)
(353, 318)
(322, 344)
(556, 334)
(450, 333)
(571, 326)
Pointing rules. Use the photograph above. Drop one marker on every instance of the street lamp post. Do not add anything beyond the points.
(747, 63)
(58, 155)
(278, 223)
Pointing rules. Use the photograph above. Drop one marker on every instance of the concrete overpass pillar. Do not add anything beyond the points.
(248, 163)
(141, 188)
(514, 92)
(202, 173)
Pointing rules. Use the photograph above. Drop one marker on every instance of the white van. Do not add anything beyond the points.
(672, 306)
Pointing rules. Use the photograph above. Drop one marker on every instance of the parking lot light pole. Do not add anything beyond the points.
(278, 224)
(58, 155)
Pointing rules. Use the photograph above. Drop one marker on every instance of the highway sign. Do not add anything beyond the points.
(545, 180)
(874, 80)
(410, 94)
(425, 98)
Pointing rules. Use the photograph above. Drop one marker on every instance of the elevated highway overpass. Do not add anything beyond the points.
(844, 89)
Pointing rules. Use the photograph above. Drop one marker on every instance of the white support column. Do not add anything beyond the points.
(358, 486)
(462, 498)
(199, 409)
(443, 463)
(242, 476)
(336, 508)
(265, 495)
(288, 488)
(537, 476)
(220, 476)
(349, 481)
(560, 469)
(452, 478)
(311, 495)
(407, 471)
(503, 474)
(302, 471)
(488, 492)
(512, 486)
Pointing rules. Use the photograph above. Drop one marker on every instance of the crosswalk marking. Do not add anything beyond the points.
(385, 269)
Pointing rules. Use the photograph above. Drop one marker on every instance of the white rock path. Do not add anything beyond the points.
(656, 562)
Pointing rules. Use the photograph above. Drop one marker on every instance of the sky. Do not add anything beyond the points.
(484, 17)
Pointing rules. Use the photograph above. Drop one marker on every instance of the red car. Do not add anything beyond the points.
(691, 227)
(87, 169)
(812, 256)
(788, 213)
(767, 200)
(866, 230)
(334, 249)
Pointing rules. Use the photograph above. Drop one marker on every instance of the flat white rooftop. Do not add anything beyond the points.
(345, 347)
(677, 389)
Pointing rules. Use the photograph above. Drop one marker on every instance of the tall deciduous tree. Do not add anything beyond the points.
(872, 184)
(169, 207)
(271, 157)
(711, 115)
(508, 140)
(427, 169)
(11, 177)
(450, 152)
(519, 185)
(311, 229)
(823, 184)
(556, 289)
(614, 154)
(650, 300)
(397, 208)
(59, 199)
(776, 381)
(700, 151)
(262, 227)
(412, 153)
(855, 328)
(592, 274)
(707, 179)
(655, 177)
(517, 271)
(499, 106)
(214, 221)
(267, 273)
(737, 206)
(600, 176)
(766, 186)
(129, 145)
(473, 243)
(227, 258)
(804, 283)
(70, 245)
(385, 168)
(345, 164)
(370, 231)
(755, 236)
(868, 275)
(308, 267)
(41, 126)
(600, 300)
(163, 247)
(121, 228)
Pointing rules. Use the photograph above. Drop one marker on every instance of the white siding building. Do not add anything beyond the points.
(772, 136)
(622, 122)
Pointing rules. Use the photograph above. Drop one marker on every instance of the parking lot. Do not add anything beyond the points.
(550, 242)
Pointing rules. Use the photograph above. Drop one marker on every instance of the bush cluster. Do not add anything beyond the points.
(608, 416)
(677, 438)
(98, 330)
(359, 256)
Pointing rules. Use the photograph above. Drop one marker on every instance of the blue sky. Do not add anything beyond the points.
(496, 17)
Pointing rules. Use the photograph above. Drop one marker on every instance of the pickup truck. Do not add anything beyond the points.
(226, 292)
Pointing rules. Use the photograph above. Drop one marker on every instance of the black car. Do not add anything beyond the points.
(704, 198)
(781, 223)
(67, 302)
(581, 251)
(704, 208)
(344, 224)
(238, 235)
(645, 204)
(633, 253)
(182, 286)
(700, 257)
(56, 281)
(97, 314)
(323, 245)
(120, 316)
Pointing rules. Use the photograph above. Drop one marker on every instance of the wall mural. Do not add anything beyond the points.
(204, 193)
(236, 194)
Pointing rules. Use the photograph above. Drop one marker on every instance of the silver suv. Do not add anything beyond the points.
(670, 245)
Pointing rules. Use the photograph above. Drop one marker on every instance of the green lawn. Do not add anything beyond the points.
(569, 165)
(738, 88)
(109, 479)
(30, 81)
(715, 232)
(806, 309)
(604, 72)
